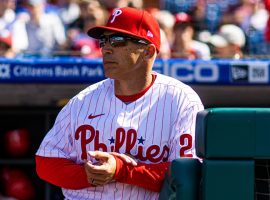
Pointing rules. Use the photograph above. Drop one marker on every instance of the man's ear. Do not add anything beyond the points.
(150, 51)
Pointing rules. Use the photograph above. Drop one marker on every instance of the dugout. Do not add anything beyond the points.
(33, 92)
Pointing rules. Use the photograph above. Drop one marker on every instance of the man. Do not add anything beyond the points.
(229, 41)
(184, 45)
(92, 13)
(116, 138)
(39, 32)
(7, 14)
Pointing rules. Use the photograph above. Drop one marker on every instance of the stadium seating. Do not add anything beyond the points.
(228, 140)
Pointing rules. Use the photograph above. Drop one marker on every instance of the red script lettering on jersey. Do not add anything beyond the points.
(153, 153)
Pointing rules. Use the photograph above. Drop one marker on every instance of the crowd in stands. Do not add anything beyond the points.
(190, 29)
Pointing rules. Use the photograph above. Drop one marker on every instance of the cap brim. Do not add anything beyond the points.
(98, 31)
(218, 41)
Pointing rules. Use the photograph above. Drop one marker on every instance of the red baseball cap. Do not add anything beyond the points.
(5, 37)
(182, 18)
(131, 21)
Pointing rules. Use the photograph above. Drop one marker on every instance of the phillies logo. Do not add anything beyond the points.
(115, 14)
(123, 138)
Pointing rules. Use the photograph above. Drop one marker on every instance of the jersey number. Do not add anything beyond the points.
(186, 144)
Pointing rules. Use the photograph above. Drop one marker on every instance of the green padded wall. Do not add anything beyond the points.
(262, 136)
(228, 180)
(187, 175)
(233, 133)
(229, 140)
(183, 180)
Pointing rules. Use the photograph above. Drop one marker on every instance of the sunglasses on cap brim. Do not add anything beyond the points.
(118, 40)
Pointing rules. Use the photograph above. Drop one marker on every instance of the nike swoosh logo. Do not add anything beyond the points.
(94, 116)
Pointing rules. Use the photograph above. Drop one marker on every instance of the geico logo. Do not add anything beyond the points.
(202, 72)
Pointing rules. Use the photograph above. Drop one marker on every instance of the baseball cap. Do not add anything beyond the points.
(88, 47)
(228, 34)
(5, 37)
(133, 22)
(182, 17)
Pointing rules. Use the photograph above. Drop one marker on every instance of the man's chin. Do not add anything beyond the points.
(109, 75)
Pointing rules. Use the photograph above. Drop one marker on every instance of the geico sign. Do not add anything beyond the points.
(201, 72)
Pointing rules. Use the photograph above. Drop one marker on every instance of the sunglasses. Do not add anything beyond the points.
(117, 40)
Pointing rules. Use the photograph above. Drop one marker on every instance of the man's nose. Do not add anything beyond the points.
(107, 48)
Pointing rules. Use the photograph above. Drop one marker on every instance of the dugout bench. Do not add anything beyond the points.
(228, 140)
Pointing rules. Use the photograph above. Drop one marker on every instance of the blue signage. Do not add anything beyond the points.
(77, 70)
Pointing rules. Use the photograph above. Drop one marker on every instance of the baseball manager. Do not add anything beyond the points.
(117, 137)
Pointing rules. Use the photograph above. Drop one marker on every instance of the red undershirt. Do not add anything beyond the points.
(66, 174)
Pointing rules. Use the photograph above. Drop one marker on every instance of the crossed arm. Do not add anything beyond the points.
(111, 167)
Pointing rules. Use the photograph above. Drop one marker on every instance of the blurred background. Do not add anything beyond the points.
(221, 48)
(190, 28)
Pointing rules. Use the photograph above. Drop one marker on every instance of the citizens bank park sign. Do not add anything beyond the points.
(77, 70)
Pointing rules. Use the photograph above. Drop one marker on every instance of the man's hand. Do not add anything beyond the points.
(126, 158)
(102, 172)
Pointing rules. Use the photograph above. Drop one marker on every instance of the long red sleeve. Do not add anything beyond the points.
(61, 172)
(148, 176)
(66, 174)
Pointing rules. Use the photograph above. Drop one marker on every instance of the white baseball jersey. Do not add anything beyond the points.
(157, 127)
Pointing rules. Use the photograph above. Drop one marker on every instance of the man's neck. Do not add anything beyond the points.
(132, 86)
